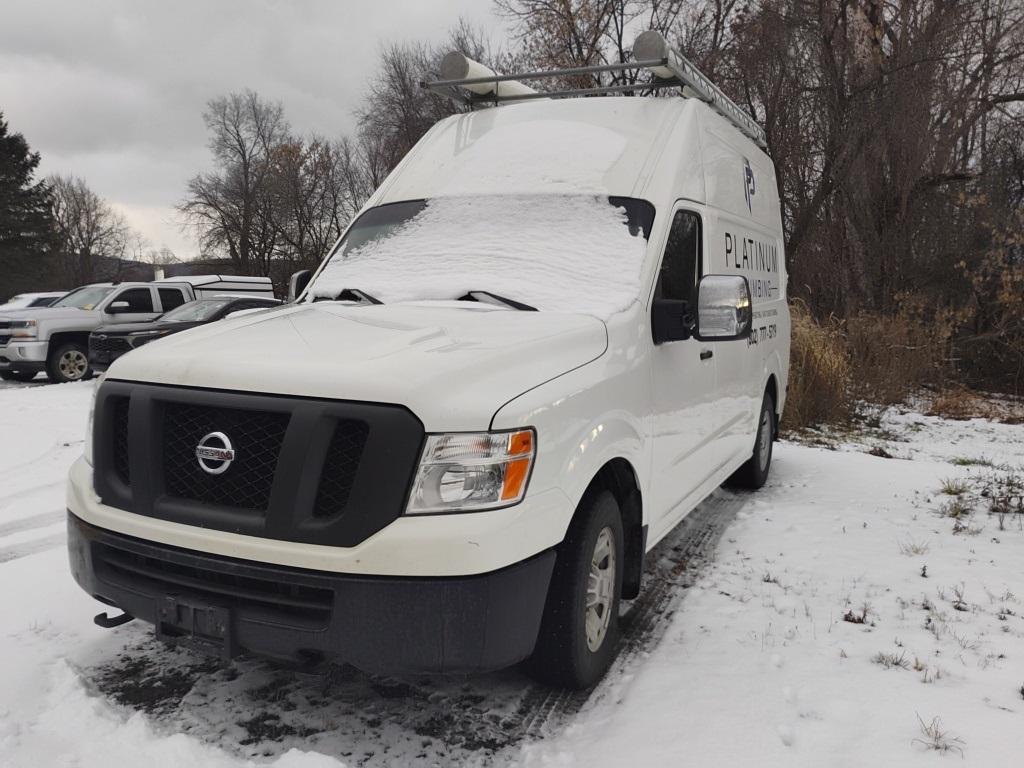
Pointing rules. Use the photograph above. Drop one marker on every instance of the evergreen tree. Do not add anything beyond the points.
(26, 227)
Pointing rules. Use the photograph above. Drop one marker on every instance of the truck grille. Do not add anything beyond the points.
(108, 344)
(256, 438)
(328, 472)
(4, 338)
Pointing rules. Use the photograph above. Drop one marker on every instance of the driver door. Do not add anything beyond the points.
(684, 431)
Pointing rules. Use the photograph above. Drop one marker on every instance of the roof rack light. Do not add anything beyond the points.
(650, 51)
(653, 45)
(481, 80)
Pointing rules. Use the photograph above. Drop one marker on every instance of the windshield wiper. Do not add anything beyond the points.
(351, 294)
(483, 296)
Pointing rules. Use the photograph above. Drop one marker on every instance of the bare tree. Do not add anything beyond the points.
(230, 208)
(93, 237)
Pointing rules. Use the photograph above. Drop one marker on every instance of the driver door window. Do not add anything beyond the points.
(140, 306)
(139, 300)
(680, 266)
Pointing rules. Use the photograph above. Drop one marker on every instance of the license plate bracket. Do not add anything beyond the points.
(196, 623)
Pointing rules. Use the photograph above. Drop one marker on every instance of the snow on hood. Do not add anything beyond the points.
(567, 253)
(453, 366)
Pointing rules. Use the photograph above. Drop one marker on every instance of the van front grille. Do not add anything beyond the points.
(122, 464)
(340, 466)
(256, 437)
(326, 472)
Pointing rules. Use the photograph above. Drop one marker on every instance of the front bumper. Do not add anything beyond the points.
(377, 624)
(413, 545)
(23, 356)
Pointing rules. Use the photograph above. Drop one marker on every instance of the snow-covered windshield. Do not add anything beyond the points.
(571, 253)
(196, 310)
(84, 298)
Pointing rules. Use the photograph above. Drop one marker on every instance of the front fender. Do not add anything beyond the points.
(577, 433)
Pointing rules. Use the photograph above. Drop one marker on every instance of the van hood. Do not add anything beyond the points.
(453, 364)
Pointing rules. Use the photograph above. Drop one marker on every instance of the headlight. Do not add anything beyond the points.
(464, 472)
(23, 329)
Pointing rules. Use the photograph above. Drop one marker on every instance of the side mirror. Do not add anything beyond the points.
(118, 307)
(297, 283)
(724, 309)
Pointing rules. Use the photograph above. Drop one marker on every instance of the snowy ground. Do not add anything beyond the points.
(738, 653)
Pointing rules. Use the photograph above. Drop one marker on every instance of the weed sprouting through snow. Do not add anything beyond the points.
(933, 737)
(954, 487)
(891, 660)
(911, 547)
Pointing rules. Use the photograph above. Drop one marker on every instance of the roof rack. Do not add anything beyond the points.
(470, 82)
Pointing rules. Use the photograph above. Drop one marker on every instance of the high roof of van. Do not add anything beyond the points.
(658, 149)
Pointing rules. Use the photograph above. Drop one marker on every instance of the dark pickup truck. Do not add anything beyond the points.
(109, 342)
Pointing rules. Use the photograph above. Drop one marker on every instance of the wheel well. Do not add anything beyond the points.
(76, 337)
(619, 479)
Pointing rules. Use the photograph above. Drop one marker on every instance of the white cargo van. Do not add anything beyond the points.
(556, 327)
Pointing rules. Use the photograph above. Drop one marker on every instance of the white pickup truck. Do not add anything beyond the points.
(555, 328)
(55, 339)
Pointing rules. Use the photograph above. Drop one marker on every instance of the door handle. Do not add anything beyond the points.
(706, 354)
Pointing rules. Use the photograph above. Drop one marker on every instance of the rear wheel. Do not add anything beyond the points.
(754, 473)
(580, 629)
(69, 362)
(17, 375)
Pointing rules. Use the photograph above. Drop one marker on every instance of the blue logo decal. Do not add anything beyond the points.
(749, 187)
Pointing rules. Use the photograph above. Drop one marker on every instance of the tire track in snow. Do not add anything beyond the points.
(32, 547)
(482, 719)
(24, 492)
(33, 521)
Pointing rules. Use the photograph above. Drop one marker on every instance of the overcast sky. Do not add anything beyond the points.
(114, 91)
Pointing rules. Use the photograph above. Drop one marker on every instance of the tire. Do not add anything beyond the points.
(17, 375)
(577, 644)
(754, 472)
(68, 362)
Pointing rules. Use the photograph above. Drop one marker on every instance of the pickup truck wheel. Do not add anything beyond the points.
(69, 362)
(754, 473)
(17, 375)
(580, 629)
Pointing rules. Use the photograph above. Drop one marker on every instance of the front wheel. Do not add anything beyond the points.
(754, 472)
(580, 628)
(69, 362)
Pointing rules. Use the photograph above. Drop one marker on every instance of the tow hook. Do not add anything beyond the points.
(102, 620)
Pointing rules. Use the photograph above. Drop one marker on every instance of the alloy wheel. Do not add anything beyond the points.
(600, 589)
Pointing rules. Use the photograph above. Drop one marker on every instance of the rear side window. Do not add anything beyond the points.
(680, 266)
(139, 299)
(171, 298)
